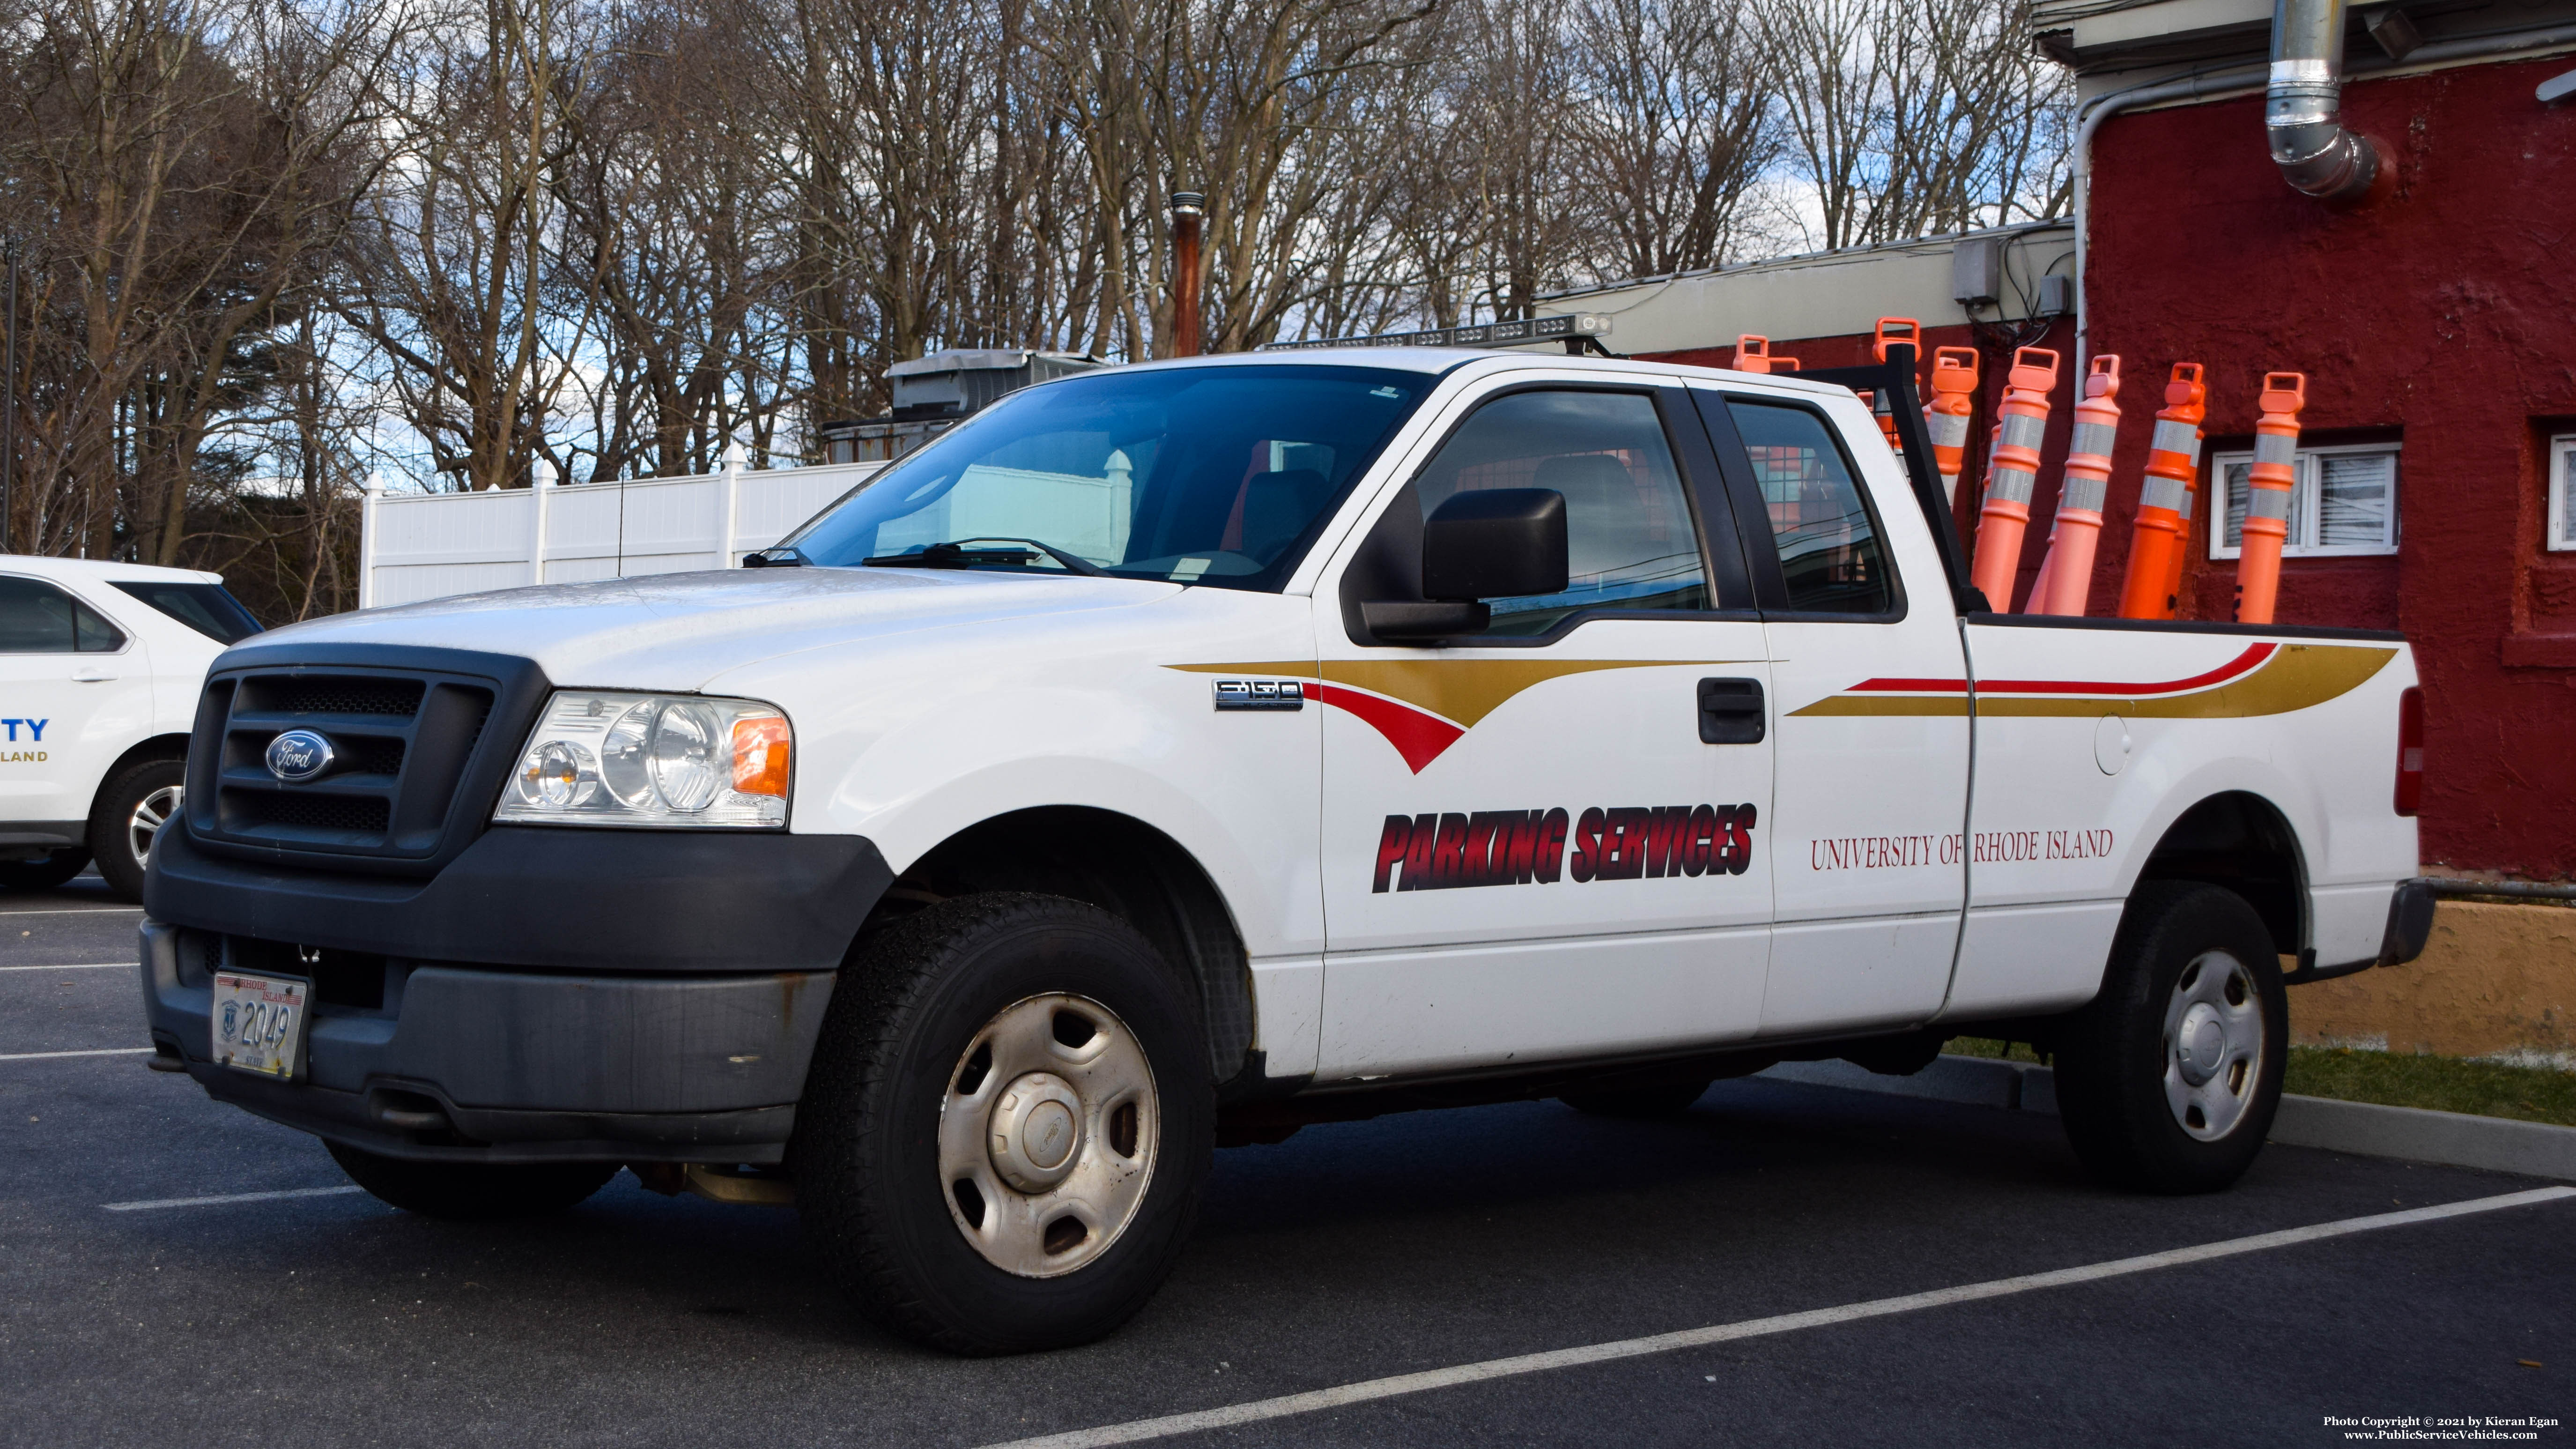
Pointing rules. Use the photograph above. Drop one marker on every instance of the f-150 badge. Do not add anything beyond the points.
(1260, 694)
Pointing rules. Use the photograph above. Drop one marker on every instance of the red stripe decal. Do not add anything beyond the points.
(1418, 735)
(2243, 663)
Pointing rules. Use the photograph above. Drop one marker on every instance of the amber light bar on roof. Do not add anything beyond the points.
(1490, 334)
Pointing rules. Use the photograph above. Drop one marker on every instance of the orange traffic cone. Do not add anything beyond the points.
(1753, 354)
(2068, 574)
(2267, 502)
(1954, 388)
(2164, 499)
(2011, 469)
(2182, 536)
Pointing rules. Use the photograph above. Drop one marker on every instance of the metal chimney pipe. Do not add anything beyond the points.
(2303, 106)
(1186, 209)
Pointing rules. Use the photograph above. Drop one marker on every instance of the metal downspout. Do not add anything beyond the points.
(2303, 106)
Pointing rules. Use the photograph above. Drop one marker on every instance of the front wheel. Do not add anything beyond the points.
(1006, 1126)
(2168, 1081)
(130, 813)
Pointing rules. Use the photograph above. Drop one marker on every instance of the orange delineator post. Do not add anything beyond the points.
(2267, 502)
(1753, 354)
(2011, 470)
(1945, 417)
(2164, 499)
(2182, 548)
(2086, 484)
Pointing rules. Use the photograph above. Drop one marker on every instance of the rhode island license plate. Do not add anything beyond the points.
(259, 1022)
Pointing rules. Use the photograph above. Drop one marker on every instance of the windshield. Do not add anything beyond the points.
(1216, 475)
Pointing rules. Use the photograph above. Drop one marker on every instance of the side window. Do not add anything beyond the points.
(1629, 539)
(1831, 557)
(36, 618)
(94, 635)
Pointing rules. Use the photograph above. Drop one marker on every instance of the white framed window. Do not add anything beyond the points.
(2344, 501)
(2562, 493)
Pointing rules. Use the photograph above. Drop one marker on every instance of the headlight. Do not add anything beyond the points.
(652, 759)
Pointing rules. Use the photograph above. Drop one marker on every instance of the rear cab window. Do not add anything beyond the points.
(1827, 546)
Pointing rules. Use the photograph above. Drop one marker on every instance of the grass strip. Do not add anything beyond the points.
(2391, 1079)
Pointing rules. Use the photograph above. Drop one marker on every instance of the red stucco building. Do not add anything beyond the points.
(2435, 320)
(2434, 315)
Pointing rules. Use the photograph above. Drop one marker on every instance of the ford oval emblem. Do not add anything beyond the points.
(298, 755)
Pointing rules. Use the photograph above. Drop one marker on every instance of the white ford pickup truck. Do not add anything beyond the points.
(1174, 754)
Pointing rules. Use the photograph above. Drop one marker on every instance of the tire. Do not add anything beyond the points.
(473, 1191)
(2168, 1081)
(1641, 1104)
(897, 1113)
(131, 808)
(44, 872)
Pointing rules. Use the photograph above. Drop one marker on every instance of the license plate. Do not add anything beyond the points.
(259, 1022)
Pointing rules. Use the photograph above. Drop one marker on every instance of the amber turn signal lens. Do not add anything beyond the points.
(760, 750)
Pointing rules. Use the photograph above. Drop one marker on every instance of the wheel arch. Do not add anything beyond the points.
(173, 746)
(1125, 867)
(2243, 842)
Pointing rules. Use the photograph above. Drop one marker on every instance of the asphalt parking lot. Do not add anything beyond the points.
(1411, 1244)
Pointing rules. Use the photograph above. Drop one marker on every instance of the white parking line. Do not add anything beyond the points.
(93, 1052)
(74, 911)
(79, 966)
(1259, 1410)
(230, 1197)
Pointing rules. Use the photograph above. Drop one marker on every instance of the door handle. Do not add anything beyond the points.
(92, 674)
(1731, 712)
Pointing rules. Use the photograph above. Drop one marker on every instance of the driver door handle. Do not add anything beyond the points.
(1731, 712)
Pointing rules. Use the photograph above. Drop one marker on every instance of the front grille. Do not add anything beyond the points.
(400, 744)
(358, 814)
(392, 698)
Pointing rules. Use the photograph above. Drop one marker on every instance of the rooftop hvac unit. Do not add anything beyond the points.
(931, 393)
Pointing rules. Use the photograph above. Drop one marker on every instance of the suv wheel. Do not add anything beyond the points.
(1007, 1124)
(128, 817)
(2167, 1081)
(473, 1191)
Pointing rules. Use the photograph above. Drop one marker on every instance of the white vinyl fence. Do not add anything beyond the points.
(429, 545)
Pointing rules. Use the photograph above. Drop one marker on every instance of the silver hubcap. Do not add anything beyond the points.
(1047, 1135)
(151, 813)
(2213, 1045)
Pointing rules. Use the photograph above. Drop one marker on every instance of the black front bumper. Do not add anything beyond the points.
(549, 995)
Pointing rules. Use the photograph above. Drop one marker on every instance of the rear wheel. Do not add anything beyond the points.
(43, 872)
(128, 817)
(473, 1191)
(2168, 1081)
(1007, 1124)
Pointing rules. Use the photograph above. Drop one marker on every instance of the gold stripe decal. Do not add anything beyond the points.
(1456, 693)
(2295, 677)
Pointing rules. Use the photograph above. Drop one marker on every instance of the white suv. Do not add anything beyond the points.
(100, 666)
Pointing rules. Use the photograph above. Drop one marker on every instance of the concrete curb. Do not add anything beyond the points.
(2453, 1139)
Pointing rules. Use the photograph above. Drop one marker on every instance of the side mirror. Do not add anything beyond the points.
(1487, 543)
